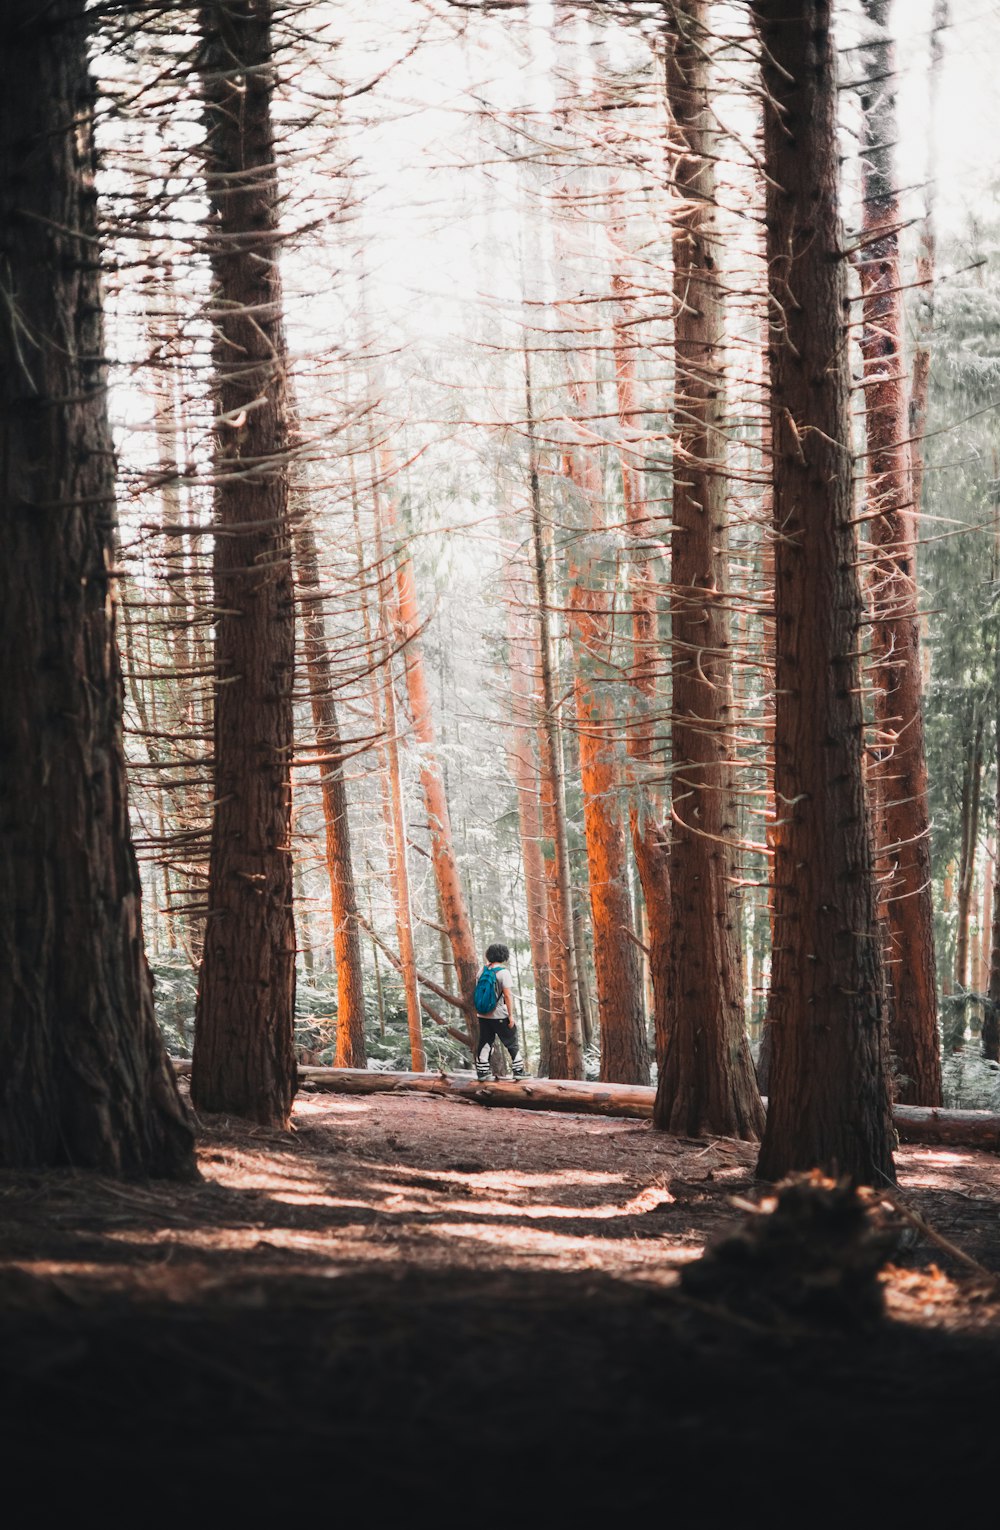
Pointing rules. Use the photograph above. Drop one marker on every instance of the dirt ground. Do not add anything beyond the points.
(412, 1300)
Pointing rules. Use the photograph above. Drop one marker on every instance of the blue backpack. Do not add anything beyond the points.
(487, 995)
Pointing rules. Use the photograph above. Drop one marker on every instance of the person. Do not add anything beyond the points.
(497, 1020)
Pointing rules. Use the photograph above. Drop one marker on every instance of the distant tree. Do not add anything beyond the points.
(83, 1075)
(244, 1052)
(829, 1087)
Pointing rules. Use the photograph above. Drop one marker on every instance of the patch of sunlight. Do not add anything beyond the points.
(501, 1178)
(414, 1202)
(335, 1107)
(590, 1252)
(936, 1155)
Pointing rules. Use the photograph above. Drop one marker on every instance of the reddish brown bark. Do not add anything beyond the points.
(83, 1076)
(616, 966)
(244, 1052)
(707, 1082)
(449, 882)
(393, 804)
(524, 770)
(829, 1089)
(566, 1039)
(650, 839)
(899, 774)
(351, 1050)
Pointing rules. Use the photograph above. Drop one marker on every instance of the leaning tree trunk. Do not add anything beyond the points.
(244, 1051)
(84, 1079)
(900, 772)
(707, 1080)
(351, 1051)
(829, 1088)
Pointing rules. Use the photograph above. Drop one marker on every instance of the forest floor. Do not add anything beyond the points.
(413, 1303)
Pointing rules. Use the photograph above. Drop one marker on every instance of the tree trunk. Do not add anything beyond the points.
(991, 1013)
(393, 803)
(566, 1035)
(900, 771)
(244, 1051)
(971, 791)
(707, 1082)
(650, 839)
(925, 272)
(829, 1091)
(351, 1051)
(449, 882)
(84, 1079)
(524, 770)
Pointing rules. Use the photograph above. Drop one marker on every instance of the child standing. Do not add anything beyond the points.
(495, 1012)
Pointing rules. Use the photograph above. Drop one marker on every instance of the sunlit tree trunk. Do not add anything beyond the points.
(244, 1052)
(707, 1082)
(926, 269)
(524, 770)
(450, 891)
(84, 1079)
(616, 965)
(566, 1036)
(829, 1089)
(394, 808)
(971, 793)
(900, 769)
(650, 838)
(351, 1052)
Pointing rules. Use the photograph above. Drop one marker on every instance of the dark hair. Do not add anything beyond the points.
(497, 953)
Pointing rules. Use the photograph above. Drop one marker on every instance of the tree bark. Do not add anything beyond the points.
(650, 839)
(900, 769)
(351, 1051)
(84, 1079)
(524, 770)
(616, 967)
(971, 792)
(829, 1092)
(566, 1039)
(244, 1052)
(707, 1081)
(449, 882)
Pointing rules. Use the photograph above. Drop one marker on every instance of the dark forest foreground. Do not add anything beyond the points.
(413, 1303)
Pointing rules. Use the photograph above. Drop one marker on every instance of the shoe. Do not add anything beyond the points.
(483, 1072)
(517, 1068)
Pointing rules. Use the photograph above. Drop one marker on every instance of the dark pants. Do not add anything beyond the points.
(492, 1030)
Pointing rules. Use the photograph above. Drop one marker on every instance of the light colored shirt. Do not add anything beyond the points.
(500, 1012)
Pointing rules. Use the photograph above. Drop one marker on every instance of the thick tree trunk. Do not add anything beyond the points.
(244, 1052)
(991, 1016)
(84, 1079)
(829, 1087)
(351, 1051)
(900, 771)
(707, 1082)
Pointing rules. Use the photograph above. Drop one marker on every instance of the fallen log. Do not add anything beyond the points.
(914, 1123)
(588, 1098)
(952, 1128)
